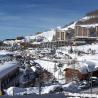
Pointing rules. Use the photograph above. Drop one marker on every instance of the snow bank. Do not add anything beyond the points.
(53, 68)
(22, 91)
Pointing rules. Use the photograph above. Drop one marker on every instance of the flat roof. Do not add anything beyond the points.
(5, 52)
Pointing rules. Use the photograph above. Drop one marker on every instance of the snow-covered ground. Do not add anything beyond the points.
(5, 52)
(71, 87)
(84, 62)
(34, 90)
(53, 68)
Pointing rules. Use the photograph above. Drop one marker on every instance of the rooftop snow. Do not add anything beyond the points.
(5, 52)
(87, 18)
(89, 25)
(7, 67)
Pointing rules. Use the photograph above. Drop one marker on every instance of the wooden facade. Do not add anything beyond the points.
(71, 74)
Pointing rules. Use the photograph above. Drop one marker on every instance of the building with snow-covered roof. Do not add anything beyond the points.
(5, 52)
(59, 38)
(6, 55)
(82, 72)
(8, 73)
(9, 41)
(65, 33)
(53, 37)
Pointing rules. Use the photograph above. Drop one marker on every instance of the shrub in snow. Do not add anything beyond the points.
(57, 89)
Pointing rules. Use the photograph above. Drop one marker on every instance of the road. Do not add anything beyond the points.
(94, 90)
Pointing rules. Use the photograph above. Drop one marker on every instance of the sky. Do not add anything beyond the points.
(26, 17)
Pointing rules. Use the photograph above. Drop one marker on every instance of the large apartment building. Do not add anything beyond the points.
(87, 27)
(86, 31)
(64, 35)
(60, 35)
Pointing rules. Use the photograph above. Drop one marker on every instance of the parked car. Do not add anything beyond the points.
(94, 81)
(84, 84)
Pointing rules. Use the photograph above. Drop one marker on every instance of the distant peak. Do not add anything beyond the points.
(92, 13)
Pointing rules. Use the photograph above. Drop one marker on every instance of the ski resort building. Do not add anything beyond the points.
(86, 31)
(87, 27)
